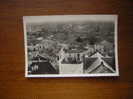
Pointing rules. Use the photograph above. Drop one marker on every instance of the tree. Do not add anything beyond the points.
(92, 39)
(78, 39)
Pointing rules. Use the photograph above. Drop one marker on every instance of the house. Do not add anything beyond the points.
(97, 64)
(41, 65)
(74, 55)
(44, 44)
(71, 61)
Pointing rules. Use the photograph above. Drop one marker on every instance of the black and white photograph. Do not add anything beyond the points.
(71, 45)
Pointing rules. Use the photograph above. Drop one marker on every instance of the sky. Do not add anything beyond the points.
(67, 18)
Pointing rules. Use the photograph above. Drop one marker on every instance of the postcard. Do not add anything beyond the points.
(71, 45)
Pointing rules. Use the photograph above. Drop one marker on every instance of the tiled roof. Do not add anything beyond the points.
(38, 57)
(101, 69)
(76, 50)
(88, 62)
(99, 65)
(110, 61)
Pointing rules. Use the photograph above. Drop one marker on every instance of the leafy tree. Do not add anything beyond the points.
(78, 39)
